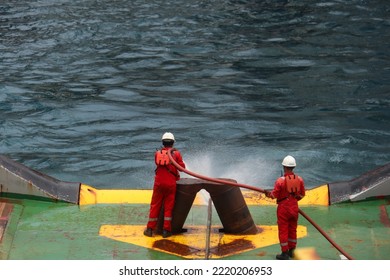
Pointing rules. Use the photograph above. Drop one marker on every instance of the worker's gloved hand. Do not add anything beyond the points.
(298, 197)
(268, 194)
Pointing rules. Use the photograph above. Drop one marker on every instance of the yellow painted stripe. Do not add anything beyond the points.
(192, 244)
(315, 196)
(90, 195)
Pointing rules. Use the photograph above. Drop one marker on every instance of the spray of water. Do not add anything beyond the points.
(204, 197)
(248, 169)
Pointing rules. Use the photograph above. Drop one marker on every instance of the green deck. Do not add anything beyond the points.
(73, 221)
(43, 230)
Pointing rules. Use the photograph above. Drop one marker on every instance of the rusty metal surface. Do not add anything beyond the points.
(5, 212)
(228, 201)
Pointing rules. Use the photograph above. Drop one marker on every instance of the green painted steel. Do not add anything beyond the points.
(42, 230)
(43, 225)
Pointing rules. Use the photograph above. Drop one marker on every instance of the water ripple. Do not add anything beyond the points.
(88, 87)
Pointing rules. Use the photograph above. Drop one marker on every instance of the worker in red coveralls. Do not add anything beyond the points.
(164, 188)
(288, 190)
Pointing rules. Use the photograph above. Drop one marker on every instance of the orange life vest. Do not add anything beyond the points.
(293, 184)
(162, 157)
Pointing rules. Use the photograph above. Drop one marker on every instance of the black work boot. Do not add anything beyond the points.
(283, 256)
(148, 232)
(166, 233)
(291, 252)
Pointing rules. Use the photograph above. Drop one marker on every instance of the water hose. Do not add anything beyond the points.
(325, 235)
(225, 182)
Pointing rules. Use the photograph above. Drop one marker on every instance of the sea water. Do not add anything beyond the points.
(87, 88)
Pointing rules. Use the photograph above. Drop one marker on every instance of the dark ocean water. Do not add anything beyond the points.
(87, 88)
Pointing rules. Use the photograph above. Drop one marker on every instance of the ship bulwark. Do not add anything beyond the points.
(17, 179)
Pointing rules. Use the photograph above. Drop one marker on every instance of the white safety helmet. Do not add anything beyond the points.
(168, 136)
(289, 161)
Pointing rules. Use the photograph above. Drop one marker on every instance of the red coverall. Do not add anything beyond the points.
(164, 191)
(287, 211)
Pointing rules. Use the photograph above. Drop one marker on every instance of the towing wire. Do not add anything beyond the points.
(230, 183)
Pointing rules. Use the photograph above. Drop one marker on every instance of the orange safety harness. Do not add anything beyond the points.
(293, 186)
(162, 159)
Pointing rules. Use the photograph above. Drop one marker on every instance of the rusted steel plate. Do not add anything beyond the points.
(5, 211)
